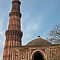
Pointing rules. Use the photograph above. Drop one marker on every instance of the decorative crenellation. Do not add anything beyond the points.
(15, 13)
(13, 38)
(13, 33)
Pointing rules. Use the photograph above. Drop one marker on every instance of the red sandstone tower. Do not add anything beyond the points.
(14, 33)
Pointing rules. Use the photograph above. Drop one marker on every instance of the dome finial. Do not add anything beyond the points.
(15, 0)
(38, 36)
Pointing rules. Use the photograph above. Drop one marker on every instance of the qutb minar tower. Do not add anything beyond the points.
(14, 33)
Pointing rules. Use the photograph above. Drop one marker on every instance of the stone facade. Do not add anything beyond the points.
(26, 52)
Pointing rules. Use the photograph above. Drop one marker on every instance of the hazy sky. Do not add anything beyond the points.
(38, 18)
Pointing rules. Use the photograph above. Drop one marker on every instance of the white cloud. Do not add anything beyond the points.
(0, 57)
(1, 32)
(2, 42)
(2, 37)
(31, 28)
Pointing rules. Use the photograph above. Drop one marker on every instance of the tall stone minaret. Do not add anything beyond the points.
(14, 33)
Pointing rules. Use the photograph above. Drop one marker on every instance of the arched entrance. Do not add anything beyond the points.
(37, 56)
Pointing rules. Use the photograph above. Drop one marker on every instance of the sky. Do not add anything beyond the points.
(38, 18)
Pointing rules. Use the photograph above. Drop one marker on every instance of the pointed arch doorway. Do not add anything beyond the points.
(37, 56)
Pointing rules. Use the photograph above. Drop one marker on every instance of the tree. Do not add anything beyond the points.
(54, 35)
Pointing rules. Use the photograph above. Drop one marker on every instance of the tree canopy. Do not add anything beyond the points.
(54, 35)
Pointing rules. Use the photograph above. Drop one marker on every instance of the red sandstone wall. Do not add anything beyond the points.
(26, 53)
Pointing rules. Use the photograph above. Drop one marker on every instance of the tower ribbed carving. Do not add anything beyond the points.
(14, 33)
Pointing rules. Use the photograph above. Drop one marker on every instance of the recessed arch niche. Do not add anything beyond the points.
(38, 55)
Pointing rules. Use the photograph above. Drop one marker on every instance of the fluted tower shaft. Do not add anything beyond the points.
(14, 33)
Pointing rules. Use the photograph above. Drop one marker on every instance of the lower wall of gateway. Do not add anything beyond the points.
(26, 53)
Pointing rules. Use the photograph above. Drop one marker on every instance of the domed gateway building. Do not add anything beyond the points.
(37, 49)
